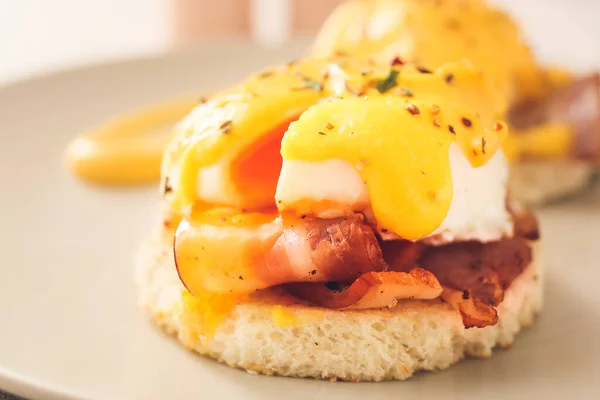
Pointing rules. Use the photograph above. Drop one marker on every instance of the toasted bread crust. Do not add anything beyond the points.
(538, 182)
(371, 345)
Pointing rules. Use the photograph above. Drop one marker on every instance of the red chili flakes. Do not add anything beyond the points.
(498, 126)
(411, 108)
(451, 129)
(397, 61)
(435, 109)
(436, 123)
(467, 122)
(329, 127)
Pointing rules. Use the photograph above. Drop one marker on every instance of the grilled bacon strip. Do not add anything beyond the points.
(219, 255)
(371, 290)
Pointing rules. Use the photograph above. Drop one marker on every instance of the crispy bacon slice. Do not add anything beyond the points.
(370, 290)
(525, 222)
(401, 255)
(228, 252)
(577, 104)
(475, 275)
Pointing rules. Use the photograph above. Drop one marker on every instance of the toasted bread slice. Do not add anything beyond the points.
(274, 334)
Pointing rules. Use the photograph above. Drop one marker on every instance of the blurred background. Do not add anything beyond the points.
(44, 35)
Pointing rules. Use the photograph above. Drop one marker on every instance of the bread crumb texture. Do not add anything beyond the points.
(274, 334)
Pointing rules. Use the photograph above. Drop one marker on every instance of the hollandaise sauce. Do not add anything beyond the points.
(128, 149)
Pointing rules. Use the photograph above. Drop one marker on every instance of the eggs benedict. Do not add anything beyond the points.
(340, 218)
(547, 159)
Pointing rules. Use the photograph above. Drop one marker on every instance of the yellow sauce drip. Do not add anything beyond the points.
(283, 317)
(203, 313)
(128, 149)
(549, 141)
(401, 155)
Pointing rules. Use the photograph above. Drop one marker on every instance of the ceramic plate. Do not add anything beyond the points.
(69, 323)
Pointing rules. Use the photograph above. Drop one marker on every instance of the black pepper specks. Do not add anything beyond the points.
(467, 122)
(225, 127)
(241, 278)
(424, 70)
(465, 295)
(449, 78)
(483, 145)
(313, 272)
(322, 133)
(451, 129)
(411, 108)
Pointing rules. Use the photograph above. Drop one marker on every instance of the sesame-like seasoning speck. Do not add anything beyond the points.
(223, 219)
(467, 122)
(366, 72)
(329, 126)
(203, 99)
(436, 123)
(411, 108)
(435, 109)
(451, 129)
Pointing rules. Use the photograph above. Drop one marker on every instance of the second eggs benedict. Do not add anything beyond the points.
(545, 151)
